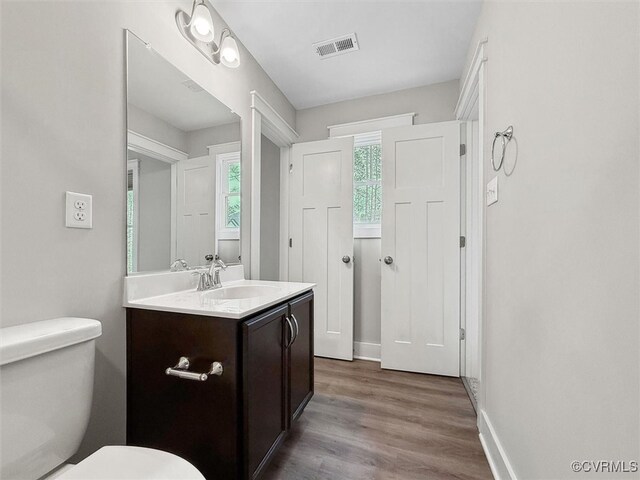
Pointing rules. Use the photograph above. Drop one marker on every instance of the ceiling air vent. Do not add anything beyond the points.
(337, 46)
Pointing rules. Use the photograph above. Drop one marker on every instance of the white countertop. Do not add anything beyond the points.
(140, 293)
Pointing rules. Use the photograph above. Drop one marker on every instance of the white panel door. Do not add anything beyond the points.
(420, 237)
(321, 231)
(195, 229)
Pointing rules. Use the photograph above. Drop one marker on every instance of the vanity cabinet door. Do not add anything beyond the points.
(301, 356)
(264, 388)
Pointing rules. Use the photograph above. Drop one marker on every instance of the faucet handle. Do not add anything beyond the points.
(179, 265)
(220, 264)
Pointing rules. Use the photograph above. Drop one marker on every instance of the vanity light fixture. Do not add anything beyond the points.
(198, 29)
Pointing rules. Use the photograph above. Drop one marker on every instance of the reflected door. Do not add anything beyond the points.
(420, 248)
(321, 246)
(195, 207)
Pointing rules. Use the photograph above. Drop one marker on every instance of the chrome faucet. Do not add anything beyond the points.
(214, 272)
(179, 265)
(210, 279)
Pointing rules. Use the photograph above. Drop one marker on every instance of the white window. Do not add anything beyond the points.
(133, 172)
(367, 184)
(228, 198)
(367, 169)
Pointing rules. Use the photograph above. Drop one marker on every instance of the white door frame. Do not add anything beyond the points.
(474, 91)
(164, 153)
(265, 120)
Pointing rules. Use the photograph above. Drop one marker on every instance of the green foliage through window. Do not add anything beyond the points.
(367, 187)
(232, 196)
(234, 177)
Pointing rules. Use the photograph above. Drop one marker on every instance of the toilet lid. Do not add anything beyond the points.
(132, 463)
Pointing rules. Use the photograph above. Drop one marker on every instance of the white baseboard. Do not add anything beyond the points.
(366, 351)
(496, 456)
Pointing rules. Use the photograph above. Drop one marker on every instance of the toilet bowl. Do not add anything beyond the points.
(46, 390)
(126, 463)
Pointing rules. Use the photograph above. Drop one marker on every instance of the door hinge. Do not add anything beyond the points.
(463, 242)
(462, 334)
(290, 242)
(463, 149)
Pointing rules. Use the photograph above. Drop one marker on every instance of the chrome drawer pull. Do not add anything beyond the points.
(295, 322)
(180, 371)
(292, 336)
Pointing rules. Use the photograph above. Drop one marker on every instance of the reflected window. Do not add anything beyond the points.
(228, 195)
(133, 170)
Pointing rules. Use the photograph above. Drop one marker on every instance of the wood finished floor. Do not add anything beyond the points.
(365, 423)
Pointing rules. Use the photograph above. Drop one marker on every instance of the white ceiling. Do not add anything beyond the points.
(403, 44)
(156, 86)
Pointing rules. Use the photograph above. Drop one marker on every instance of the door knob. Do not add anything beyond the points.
(346, 259)
(388, 260)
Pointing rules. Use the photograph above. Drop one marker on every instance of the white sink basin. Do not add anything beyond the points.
(241, 291)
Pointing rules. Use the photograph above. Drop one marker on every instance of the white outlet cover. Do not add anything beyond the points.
(492, 191)
(78, 210)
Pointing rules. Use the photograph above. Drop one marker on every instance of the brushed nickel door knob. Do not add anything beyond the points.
(346, 259)
(388, 260)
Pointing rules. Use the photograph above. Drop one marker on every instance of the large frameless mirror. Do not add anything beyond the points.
(183, 168)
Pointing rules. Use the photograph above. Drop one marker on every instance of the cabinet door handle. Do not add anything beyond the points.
(180, 370)
(295, 321)
(292, 335)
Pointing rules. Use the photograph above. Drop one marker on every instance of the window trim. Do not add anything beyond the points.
(222, 161)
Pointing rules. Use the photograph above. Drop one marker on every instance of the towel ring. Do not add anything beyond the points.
(507, 134)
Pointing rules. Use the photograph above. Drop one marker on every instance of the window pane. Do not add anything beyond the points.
(232, 214)
(234, 177)
(130, 211)
(130, 207)
(367, 191)
(367, 204)
(376, 162)
(360, 162)
(367, 163)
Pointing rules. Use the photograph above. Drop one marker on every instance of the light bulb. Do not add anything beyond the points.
(229, 55)
(202, 24)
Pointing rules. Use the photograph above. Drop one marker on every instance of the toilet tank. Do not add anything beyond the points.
(46, 389)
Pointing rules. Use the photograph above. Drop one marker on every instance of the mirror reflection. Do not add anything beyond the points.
(183, 168)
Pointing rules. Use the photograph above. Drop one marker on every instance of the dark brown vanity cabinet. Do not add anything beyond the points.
(228, 426)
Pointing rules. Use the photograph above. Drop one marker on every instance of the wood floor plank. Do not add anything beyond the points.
(365, 423)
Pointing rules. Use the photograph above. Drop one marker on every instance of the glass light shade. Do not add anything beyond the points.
(201, 24)
(229, 54)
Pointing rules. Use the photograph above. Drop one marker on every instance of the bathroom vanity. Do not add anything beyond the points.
(228, 425)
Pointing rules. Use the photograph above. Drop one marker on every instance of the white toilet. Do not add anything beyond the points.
(46, 388)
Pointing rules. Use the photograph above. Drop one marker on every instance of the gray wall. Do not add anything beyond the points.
(269, 210)
(154, 231)
(199, 140)
(149, 125)
(562, 281)
(432, 103)
(63, 127)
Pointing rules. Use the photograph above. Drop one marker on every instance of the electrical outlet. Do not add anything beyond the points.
(78, 210)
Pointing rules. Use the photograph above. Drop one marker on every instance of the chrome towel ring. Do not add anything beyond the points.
(507, 134)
